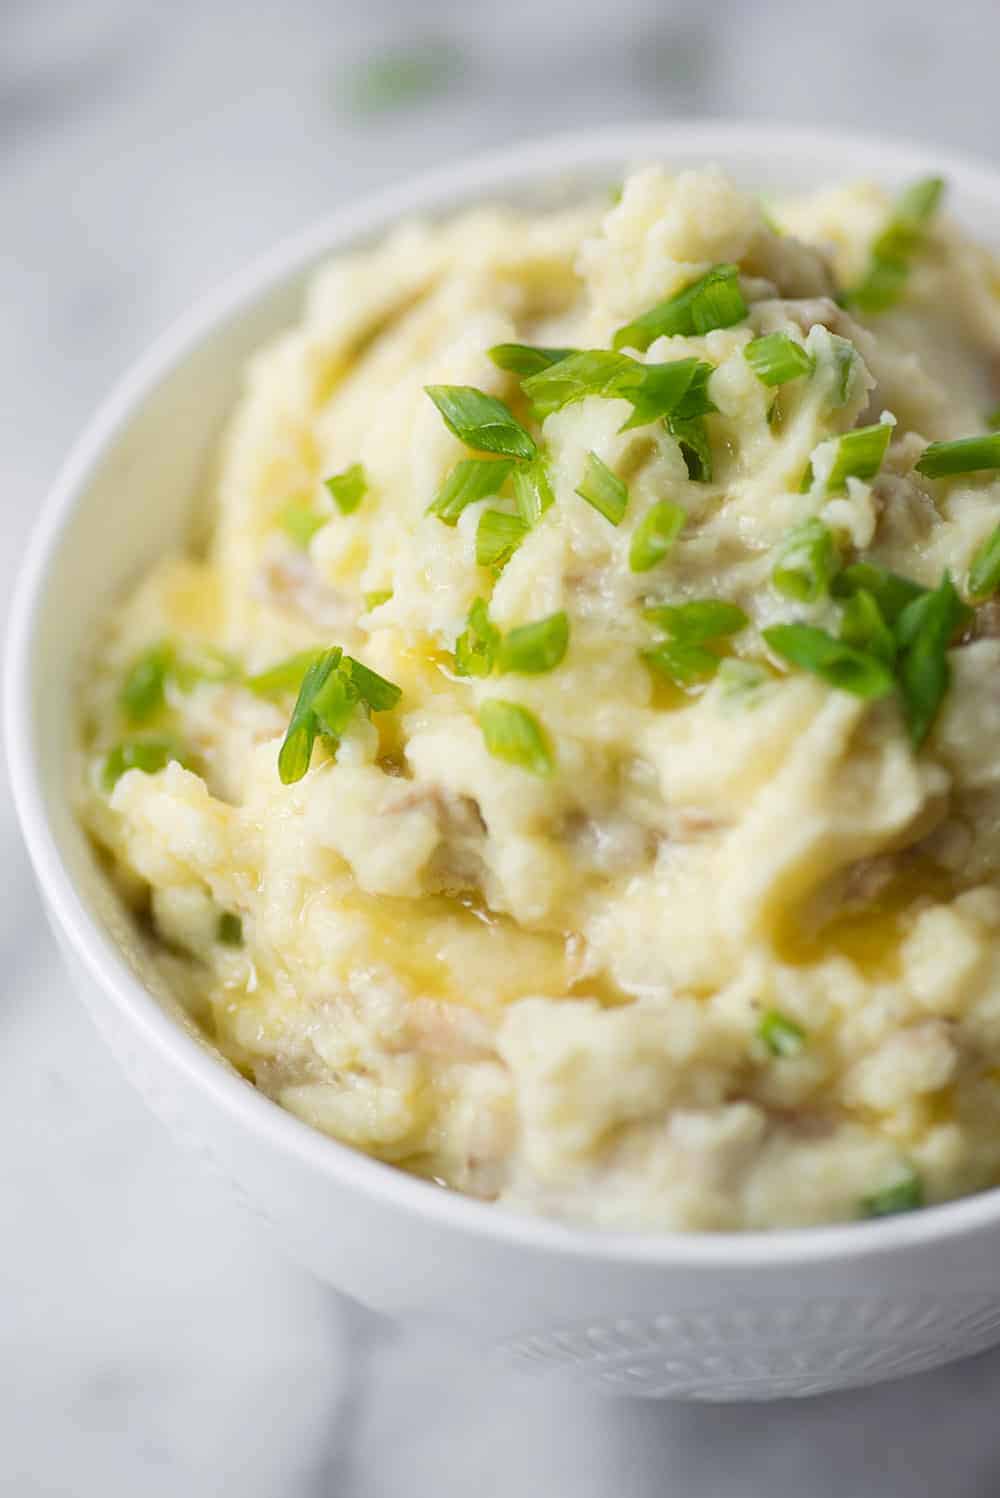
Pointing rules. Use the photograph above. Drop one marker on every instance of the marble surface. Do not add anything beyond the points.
(150, 1340)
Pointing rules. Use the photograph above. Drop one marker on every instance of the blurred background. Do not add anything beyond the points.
(151, 1342)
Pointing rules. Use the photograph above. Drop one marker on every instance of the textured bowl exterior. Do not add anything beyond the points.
(708, 1317)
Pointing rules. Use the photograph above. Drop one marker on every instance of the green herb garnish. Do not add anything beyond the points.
(984, 569)
(859, 455)
(513, 734)
(781, 1035)
(523, 359)
(891, 591)
(229, 930)
(284, 676)
(347, 489)
(147, 755)
(589, 372)
(924, 632)
(967, 455)
(604, 490)
(905, 1195)
(682, 662)
(534, 648)
(376, 599)
(840, 665)
(775, 359)
(532, 491)
(297, 747)
(476, 647)
(374, 690)
(807, 562)
(655, 535)
(863, 626)
(677, 390)
(497, 538)
(713, 301)
(300, 522)
(482, 421)
(893, 249)
(143, 690)
(702, 619)
(469, 481)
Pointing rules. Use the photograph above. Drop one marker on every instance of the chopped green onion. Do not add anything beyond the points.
(863, 626)
(142, 694)
(893, 249)
(881, 287)
(476, 647)
(891, 591)
(284, 676)
(197, 662)
(702, 619)
(859, 455)
(523, 359)
(589, 372)
(380, 695)
(905, 1195)
(676, 389)
(967, 455)
(468, 482)
(655, 535)
(807, 562)
(682, 662)
(533, 648)
(230, 929)
(604, 490)
(775, 359)
(513, 734)
(334, 704)
(845, 361)
(147, 755)
(498, 537)
(925, 630)
(348, 489)
(301, 522)
(691, 435)
(482, 421)
(376, 599)
(713, 301)
(781, 1035)
(532, 491)
(984, 569)
(297, 746)
(841, 665)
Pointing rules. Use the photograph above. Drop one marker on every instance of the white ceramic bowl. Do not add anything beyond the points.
(714, 1317)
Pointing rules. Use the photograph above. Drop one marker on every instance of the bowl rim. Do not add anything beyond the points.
(464, 182)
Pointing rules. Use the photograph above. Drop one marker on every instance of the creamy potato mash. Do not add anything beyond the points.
(571, 771)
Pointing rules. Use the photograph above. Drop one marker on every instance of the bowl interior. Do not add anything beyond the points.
(141, 472)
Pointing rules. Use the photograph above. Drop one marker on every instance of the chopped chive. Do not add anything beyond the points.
(376, 599)
(682, 662)
(482, 421)
(229, 930)
(691, 434)
(143, 690)
(840, 665)
(891, 591)
(523, 359)
(147, 755)
(713, 301)
(468, 482)
(893, 249)
(881, 287)
(497, 538)
(859, 455)
(378, 693)
(534, 648)
(334, 705)
(297, 746)
(863, 626)
(589, 372)
(845, 362)
(655, 535)
(300, 522)
(532, 491)
(604, 490)
(347, 489)
(967, 455)
(284, 676)
(514, 734)
(197, 662)
(775, 359)
(924, 631)
(905, 1195)
(476, 647)
(807, 562)
(677, 389)
(702, 619)
(984, 569)
(781, 1035)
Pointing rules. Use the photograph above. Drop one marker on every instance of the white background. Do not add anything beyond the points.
(151, 1343)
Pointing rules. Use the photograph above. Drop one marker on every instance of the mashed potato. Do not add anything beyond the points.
(579, 783)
